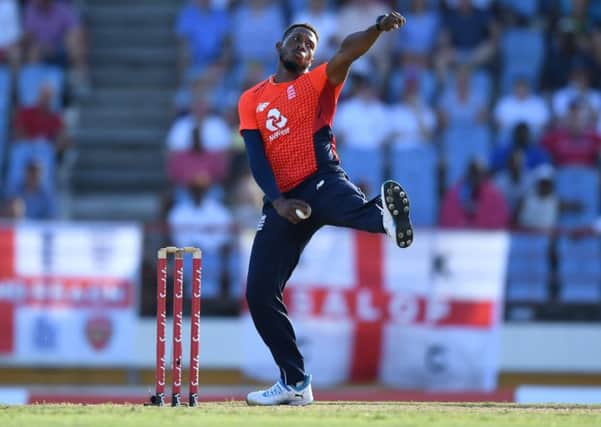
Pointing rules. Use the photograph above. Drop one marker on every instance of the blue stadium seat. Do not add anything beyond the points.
(528, 268)
(523, 7)
(398, 80)
(462, 144)
(31, 79)
(481, 83)
(5, 79)
(21, 154)
(579, 269)
(415, 168)
(522, 51)
(579, 184)
(363, 166)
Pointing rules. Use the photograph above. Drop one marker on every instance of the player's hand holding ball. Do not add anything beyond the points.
(294, 210)
(390, 21)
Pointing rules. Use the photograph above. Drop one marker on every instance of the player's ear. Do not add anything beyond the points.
(278, 46)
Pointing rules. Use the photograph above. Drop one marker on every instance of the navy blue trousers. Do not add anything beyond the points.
(277, 247)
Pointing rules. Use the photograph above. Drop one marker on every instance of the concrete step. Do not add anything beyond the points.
(149, 56)
(137, 138)
(119, 76)
(133, 98)
(102, 37)
(118, 118)
(143, 15)
(97, 158)
(116, 206)
(116, 180)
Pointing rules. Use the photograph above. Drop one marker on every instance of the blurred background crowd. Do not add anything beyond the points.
(487, 111)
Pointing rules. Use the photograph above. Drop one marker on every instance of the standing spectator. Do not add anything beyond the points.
(323, 19)
(474, 202)
(574, 142)
(10, 34)
(205, 223)
(38, 200)
(251, 45)
(202, 30)
(521, 106)
(411, 121)
(54, 35)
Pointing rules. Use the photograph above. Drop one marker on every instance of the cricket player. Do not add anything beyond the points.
(286, 123)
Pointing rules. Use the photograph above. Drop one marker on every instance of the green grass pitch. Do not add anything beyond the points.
(347, 414)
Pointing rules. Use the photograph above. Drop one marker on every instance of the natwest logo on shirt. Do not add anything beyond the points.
(276, 122)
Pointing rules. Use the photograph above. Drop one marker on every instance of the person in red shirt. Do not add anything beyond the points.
(286, 123)
(575, 143)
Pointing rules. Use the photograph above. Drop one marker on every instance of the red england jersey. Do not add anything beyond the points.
(295, 122)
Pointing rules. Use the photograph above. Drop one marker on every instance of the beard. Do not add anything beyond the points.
(292, 66)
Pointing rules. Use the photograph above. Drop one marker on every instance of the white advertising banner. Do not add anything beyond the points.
(68, 293)
(426, 317)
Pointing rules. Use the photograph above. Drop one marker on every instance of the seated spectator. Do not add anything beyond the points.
(38, 201)
(521, 106)
(39, 135)
(574, 142)
(202, 30)
(467, 36)
(12, 208)
(541, 205)
(418, 35)
(513, 181)
(249, 44)
(474, 202)
(460, 104)
(205, 223)
(11, 33)
(411, 121)
(521, 140)
(214, 131)
(54, 35)
(578, 89)
(324, 20)
(184, 165)
(246, 199)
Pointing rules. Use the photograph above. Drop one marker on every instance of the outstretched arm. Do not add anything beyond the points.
(356, 44)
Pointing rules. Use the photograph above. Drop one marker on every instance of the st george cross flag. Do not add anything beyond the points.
(426, 317)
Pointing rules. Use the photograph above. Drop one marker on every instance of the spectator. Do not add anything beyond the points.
(541, 206)
(12, 208)
(411, 121)
(202, 30)
(461, 104)
(521, 106)
(419, 34)
(183, 165)
(578, 88)
(513, 181)
(38, 200)
(39, 135)
(251, 45)
(574, 142)
(362, 128)
(521, 140)
(205, 223)
(468, 37)
(11, 33)
(213, 130)
(323, 19)
(54, 35)
(474, 202)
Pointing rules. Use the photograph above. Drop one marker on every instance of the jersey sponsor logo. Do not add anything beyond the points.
(319, 185)
(276, 123)
(262, 106)
(291, 92)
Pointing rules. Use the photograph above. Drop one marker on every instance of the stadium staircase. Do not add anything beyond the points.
(119, 171)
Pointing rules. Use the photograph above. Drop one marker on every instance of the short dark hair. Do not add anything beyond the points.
(304, 25)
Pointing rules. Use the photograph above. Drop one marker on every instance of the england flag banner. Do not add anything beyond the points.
(422, 318)
(68, 293)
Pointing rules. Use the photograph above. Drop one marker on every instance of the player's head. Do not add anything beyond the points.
(297, 47)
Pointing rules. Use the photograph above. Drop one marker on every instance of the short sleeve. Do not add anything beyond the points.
(319, 80)
(246, 112)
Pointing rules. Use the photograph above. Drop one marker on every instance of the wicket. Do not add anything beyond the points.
(178, 301)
